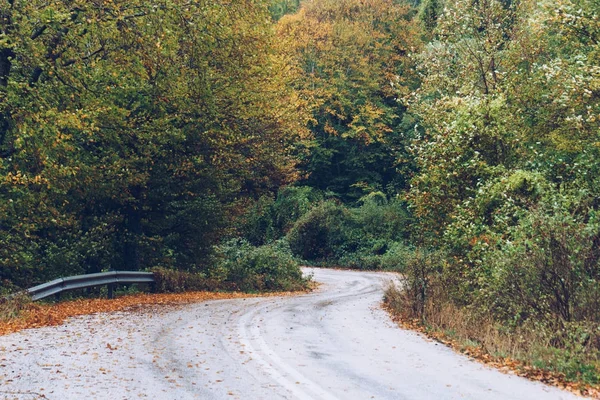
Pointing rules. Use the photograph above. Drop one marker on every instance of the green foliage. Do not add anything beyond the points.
(237, 265)
(506, 154)
(268, 220)
(429, 13)
(176, 281)
(353, 57)
(322, 233)
(131, 131)
(13, 306)
(364, 237)
(279, 8)
(380, 255)
(578, 362)
(420, 283)
(139, 134)
(547, 271)
(380, 219)
(421, 275)
(377, 233)
(396, 257)
(293, 202)
(259, 222)
(270, 267)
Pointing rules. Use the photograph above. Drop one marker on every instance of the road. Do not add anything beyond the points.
(335, 343)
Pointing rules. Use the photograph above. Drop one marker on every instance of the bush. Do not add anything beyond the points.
(365, 237)
(270, 267)
(421, 283)
(519, 318)
(237, 265)
(547, 271)
(376, 255)
(258, 226)
(396, 257)
(12, 306)
(364, 260)
(380, 220)
(268, 220)
(422, 277)
(176, 281)
(292, 203)
(323, 233)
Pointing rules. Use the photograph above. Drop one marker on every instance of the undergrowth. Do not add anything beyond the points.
(530, 348)
(239, 266)
(11, 307)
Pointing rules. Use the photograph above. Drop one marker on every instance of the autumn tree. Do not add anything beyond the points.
(354, 61)
(130, 131)
(279, 8)
(507, 158)
(462, 105)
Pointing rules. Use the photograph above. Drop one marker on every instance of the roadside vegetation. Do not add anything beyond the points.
(223, 144)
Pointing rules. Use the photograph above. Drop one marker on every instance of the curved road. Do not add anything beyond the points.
(335, 343)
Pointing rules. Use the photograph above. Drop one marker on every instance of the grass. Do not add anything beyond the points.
(13, 307)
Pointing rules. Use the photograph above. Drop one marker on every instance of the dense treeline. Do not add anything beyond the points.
(456, 141)
(131, 132)
(493, 146)
(354, 63)
(506, 185)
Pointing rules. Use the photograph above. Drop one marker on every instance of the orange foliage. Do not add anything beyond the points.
(39, 315)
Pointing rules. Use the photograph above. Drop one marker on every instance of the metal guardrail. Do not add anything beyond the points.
(112, 278)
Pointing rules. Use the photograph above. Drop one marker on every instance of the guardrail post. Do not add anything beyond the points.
(111, 290)
(57, 297)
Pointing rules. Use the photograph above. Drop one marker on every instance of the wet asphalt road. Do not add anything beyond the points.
(335, 343)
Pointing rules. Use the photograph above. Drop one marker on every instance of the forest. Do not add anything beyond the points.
(224, 143)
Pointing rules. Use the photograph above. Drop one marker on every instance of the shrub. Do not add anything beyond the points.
(270, 219)
(176, 281)
(323, 233)
(258, 226)
(547, 271)
(376, 255)
(359, 237)
(421, 278)
(421, 283)
(12, 306)
(248, 268)
(292, 203)
(364, 260)
(396, 257)
(378, 219)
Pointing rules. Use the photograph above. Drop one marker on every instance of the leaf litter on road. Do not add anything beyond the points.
(40, 315)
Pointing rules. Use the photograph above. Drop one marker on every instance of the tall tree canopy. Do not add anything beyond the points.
(354, 60)
(508, 150)
(129, 130)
